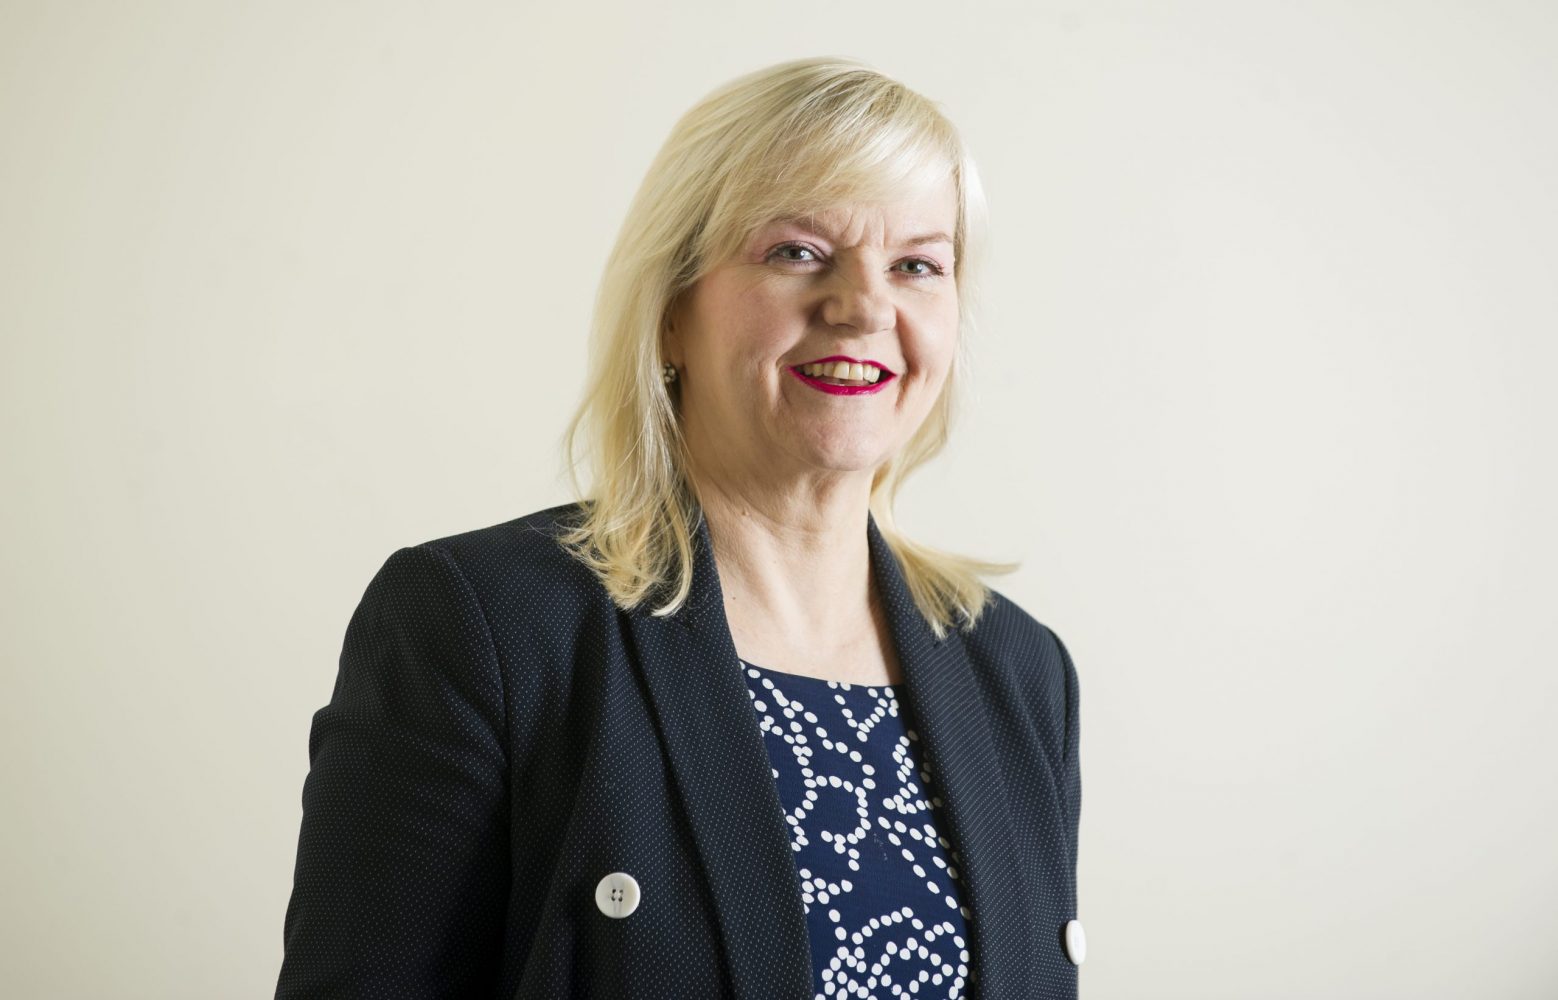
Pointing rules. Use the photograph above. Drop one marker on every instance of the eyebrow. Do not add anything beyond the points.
(805, 222)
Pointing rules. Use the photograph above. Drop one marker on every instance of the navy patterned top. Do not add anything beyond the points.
(883, 901)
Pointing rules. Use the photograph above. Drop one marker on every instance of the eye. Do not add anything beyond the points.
(932, 269)
(929, 268)
(781, 248)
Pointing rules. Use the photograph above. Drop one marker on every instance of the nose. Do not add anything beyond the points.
(859, 297)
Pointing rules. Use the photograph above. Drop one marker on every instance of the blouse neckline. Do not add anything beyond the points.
(806, 678)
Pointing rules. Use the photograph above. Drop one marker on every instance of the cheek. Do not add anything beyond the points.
(771, 302)
(762, 326)
(936, 347)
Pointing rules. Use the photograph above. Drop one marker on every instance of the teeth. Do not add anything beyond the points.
(869, 374)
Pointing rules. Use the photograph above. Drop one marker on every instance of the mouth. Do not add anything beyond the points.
(843, 375)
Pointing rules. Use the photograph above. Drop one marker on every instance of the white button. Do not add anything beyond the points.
(1076, 942)
(617, 894)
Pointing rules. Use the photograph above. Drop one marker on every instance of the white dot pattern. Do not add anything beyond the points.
(884, 906)
(501, 736)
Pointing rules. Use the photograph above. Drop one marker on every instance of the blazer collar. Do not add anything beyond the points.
(724, 777)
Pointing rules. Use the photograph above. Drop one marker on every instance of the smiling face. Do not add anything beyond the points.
(872, 282)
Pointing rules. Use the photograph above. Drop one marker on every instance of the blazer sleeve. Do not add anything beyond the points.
(402, 873)
(1071, 765)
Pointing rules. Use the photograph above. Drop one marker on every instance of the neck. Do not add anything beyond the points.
(793, 564)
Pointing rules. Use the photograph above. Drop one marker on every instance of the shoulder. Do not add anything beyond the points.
(529, 541)
(1008, 635)
(518, 564)
(1006, 626)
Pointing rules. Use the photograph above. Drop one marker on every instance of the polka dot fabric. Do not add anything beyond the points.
(883, 906)
(501, 737)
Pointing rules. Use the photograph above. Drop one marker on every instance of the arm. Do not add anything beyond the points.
(402, 872)
(1071, 768)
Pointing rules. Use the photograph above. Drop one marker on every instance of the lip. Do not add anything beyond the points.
(845, 390)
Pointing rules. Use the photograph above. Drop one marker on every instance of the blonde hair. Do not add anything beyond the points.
(792, 139)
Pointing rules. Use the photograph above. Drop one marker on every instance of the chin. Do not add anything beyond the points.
(839, 450)
(850, 460)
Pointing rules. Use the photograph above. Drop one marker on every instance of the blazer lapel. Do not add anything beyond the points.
(946, 703)
(724, 776)
(727, 788)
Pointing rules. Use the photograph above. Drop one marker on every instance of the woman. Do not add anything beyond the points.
(718, 730)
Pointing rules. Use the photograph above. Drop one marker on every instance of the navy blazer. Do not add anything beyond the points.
(501, 737)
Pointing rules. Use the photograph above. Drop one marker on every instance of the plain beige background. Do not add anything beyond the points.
(1263, 403)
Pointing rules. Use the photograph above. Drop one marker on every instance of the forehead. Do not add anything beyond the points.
(926, 217)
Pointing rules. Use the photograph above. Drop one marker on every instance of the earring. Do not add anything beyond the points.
(668, 373)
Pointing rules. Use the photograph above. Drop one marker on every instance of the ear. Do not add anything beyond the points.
(670, 334)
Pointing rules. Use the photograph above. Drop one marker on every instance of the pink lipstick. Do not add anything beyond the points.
(844, 390)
